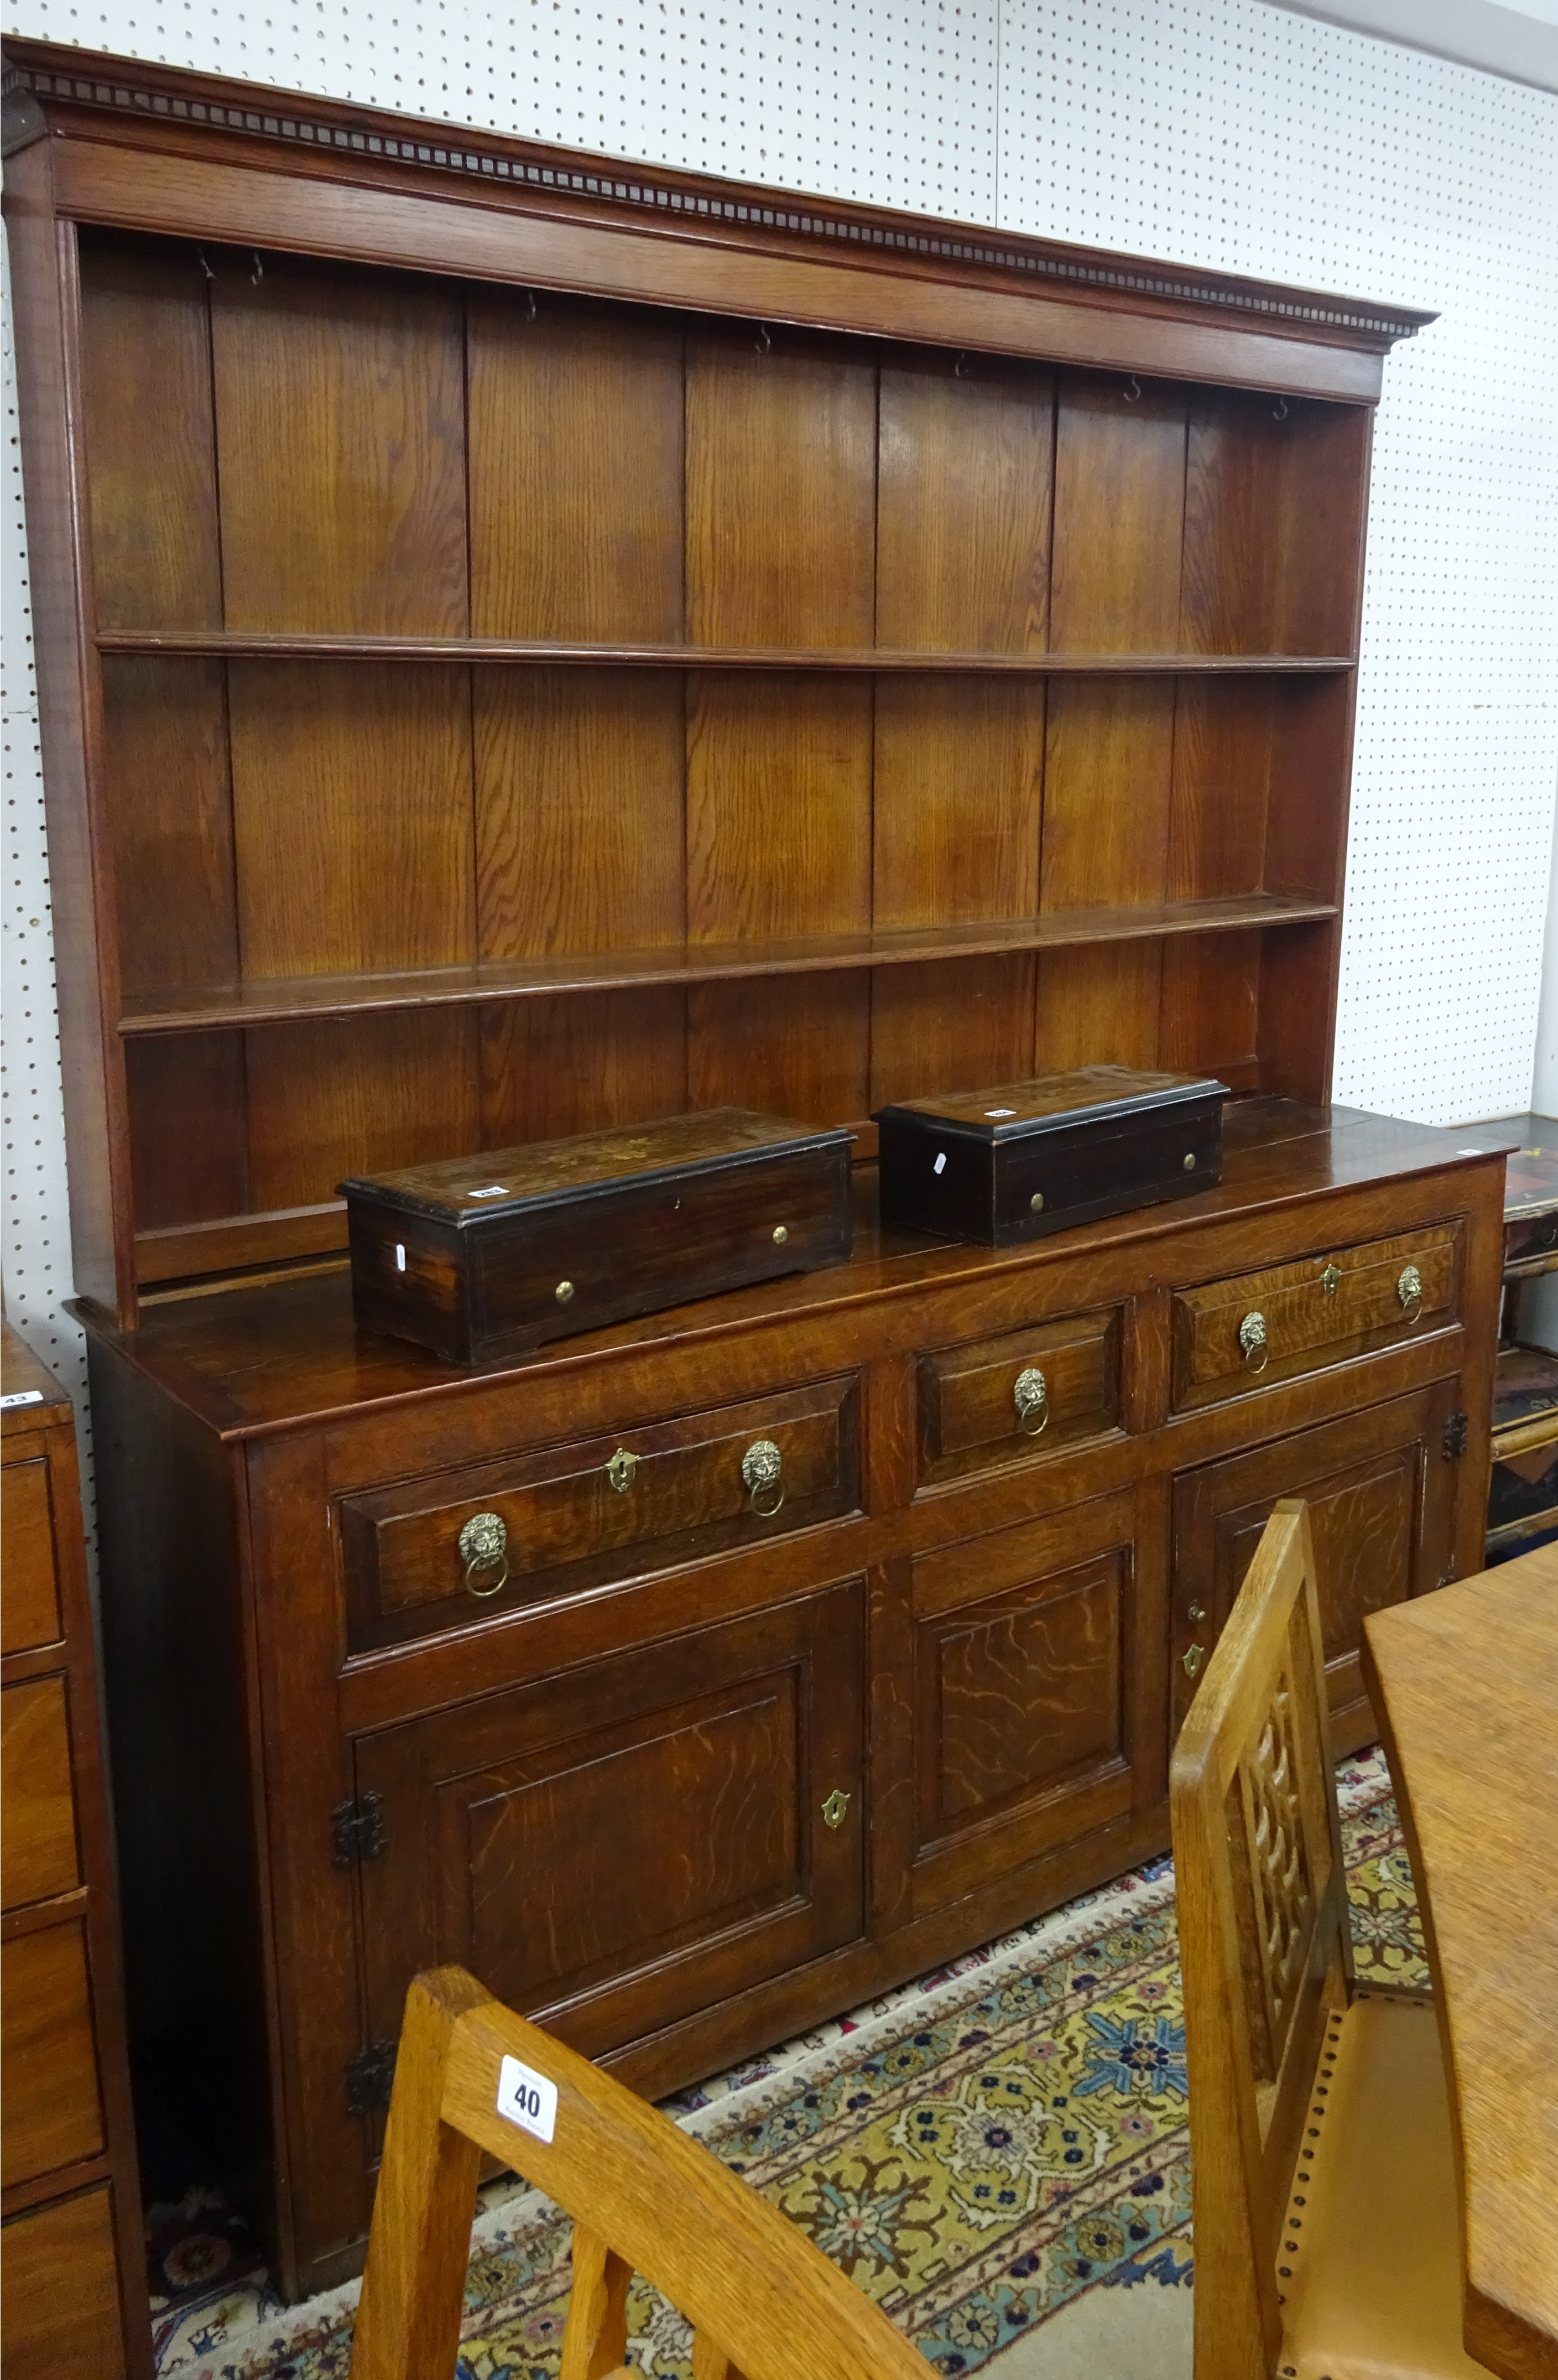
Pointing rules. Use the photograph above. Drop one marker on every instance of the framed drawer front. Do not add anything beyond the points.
(1232, 1336)
(1006, 1400)
(29, 1611)
(50, 2112)
(59, 2291)
(38, 1790)
(567, 1518)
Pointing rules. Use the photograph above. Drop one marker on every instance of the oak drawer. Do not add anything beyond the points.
(59, 2293)
(50, 2111)
(38, 1792)
(997, 1400)
(1230, 1336)
(29, 1607)
(439, 1552)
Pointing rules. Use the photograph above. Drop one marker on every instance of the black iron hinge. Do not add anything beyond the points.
(358, 1830)
(1455, 1436)
(369, 2078)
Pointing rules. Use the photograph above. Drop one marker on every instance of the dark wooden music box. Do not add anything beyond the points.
(479, 1256)
(1010, 1164)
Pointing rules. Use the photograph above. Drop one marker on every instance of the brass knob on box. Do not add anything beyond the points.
(782, 1233)
(484, 1545)
(1253, 1339)
(1031, 1396)
(762, 1468)
(1409, 1290)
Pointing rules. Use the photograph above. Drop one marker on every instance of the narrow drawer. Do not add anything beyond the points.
(997, 1400)
(50, 2112)
(439, 1552)
(38, 1792)
(30, 1608)
(1230, 1336)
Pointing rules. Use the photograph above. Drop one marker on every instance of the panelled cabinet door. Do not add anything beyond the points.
(1380, 1488)
(616, 1848)
(1033, 1668)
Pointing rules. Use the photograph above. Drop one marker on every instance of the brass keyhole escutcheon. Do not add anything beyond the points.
(1409, 1290)
(1031, 1396)
(762, 1469)
(1252, 1339)
(1193, 1660)
(622, 1469)
(1330, 1281)
(484, 1545)
(833, 1809)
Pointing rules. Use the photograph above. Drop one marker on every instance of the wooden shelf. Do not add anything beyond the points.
(206, 1008)
(237, 644)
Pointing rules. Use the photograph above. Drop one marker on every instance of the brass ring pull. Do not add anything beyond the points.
(1031, 1396)
(484, 1545)
(762, 1469)
(1253, 1339)
(1409, 1290)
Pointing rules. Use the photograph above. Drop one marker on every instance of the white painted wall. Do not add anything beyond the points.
(1219, 132)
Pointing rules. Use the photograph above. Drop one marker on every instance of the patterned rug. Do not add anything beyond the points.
(997, 2153)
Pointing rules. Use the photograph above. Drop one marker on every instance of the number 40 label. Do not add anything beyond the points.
(527, 2099)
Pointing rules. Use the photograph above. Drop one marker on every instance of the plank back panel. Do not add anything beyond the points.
(188, 1128)
(1222, 771)
(959, 788)
(778, 804)
(1119, 506)
(352, 816)
(551, 1067)
(575, 471)
(965, 468)
(340, 434)
(170, 803)
(781, 472)
(806, 1055)
(1099, 1006)
(357, 1095)
(1108, 779)
(957, 1025)
(150, 443)
(578, 810)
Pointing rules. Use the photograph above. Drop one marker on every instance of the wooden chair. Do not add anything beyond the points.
(1323, 2178)
(764, 2302)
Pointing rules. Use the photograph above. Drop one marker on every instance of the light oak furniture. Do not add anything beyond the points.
(1323, 2182)
(73, 2294)
(1467, 1690)
(765, 2304)
(528, 645)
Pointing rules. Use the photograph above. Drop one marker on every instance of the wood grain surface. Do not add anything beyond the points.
(1464, 1684)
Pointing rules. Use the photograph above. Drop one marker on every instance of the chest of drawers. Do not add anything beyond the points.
(696, 1753)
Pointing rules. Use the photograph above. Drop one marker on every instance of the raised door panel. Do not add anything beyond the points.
(575, 471)
(1032, 1692)
(618, 1847)
(340, 451)
(1381, 1488)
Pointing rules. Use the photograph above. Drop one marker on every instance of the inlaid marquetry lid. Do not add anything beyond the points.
(1052, 1102)
(465, 1190)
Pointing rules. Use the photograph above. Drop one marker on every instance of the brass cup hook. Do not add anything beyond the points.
(1133, 389)
(1279, 410)
(764, 342)
(258, 276)
(205, 267)
(960, 366)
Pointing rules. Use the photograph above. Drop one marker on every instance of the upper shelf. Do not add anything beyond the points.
(204, 1008)
(242, 644)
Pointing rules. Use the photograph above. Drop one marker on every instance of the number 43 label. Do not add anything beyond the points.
(527, 2099)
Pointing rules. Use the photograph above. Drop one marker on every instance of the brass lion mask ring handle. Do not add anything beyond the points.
(1252, 1339)
(1031, 1396)
(762, 1471)
(484, 1545)
(1409, 1290)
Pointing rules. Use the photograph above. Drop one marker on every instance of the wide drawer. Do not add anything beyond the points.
(38, 1792)
(50, 2112)
(437, 1554)
(59, 2303)
(1230, 1336)
(998, 1401)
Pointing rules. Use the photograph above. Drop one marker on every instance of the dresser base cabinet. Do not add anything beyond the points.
(712, 1762)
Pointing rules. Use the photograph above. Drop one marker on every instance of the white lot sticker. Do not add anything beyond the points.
(496, 1190)
(21, 1397)
(941, 1165)
(527, 2099)
(1001, 1111)
(400, 1255)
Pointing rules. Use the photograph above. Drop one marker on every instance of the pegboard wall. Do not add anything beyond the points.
(1215, 132)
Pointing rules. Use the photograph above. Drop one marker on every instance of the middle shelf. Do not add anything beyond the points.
(208, 1007)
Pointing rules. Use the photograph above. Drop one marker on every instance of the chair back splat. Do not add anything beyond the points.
(765, 2304)
(1264, 1935)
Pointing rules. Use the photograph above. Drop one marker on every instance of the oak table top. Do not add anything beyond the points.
(1465, 1685)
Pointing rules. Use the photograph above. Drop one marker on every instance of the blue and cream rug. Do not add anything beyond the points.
(997, 2153)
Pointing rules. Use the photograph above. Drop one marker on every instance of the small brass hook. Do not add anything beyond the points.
(258, 276)
(205, 268)
(1132, 390)
(763, 340)
(530, 304)
(960, 368)
(1279, 410)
